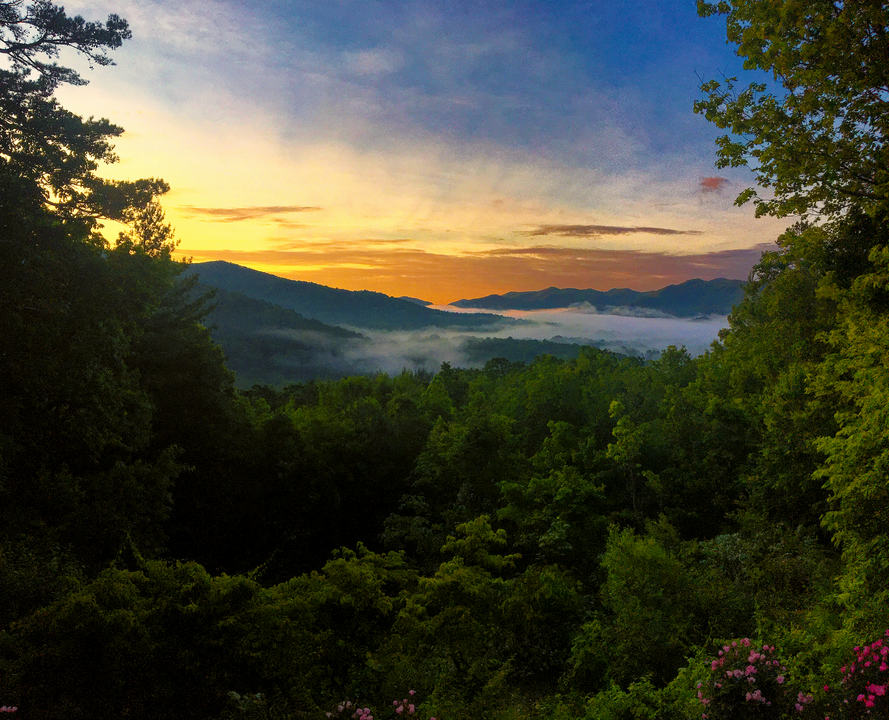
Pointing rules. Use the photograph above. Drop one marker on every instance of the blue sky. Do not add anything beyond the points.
(434, 149)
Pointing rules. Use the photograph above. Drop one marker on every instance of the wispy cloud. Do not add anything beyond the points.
(713, 184)
(239, 214)
(601, 230)
(340, 246)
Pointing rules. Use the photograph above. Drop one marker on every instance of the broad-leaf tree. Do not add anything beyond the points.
(817, 138)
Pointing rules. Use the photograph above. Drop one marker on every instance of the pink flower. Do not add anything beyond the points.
(780, 679)
(399, 709)
(412, 692)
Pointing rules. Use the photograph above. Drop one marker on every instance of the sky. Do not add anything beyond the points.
(438, 149)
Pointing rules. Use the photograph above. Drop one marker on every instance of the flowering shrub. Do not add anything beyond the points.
(348, 709)
(748, 682)
(866, 681)
(6, 708)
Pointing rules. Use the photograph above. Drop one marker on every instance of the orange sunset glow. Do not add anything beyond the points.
(411, 160)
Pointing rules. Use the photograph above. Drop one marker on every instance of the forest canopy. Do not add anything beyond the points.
(599, 537)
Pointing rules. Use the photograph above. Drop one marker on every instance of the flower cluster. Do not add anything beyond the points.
(405, 707)
(867, 679)
(748, 681)
(348, 709)
(6, 708)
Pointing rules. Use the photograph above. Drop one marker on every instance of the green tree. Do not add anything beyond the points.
(818, 137)
(451, 638)
(39, 139)
(856, 465)
(77, 458)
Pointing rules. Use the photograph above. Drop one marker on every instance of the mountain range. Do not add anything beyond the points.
(689, 299)
(359, 309)
(276, 331)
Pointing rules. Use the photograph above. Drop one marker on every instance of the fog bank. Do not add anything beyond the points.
(394, 351)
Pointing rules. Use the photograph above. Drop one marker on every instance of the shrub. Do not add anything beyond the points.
(747, 681)
(865, 683)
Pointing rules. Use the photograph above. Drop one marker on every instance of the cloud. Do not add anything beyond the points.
(340, 246)
(373, 62)
(600, 231)
(713, 184)
(239, 214)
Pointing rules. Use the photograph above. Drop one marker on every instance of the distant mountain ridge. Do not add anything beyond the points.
(278, 331)
(267, 344)
(689, 299)
(362, 309)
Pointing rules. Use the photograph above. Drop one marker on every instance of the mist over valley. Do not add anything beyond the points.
(277, 331)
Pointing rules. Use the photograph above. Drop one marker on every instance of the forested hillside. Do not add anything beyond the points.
(362, 309)
(688, 299)
(602, 537)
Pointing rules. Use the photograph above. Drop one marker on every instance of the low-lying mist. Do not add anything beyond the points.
(393, 351)
(619, 330)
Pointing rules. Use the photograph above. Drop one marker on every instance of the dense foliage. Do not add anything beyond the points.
(600, 537)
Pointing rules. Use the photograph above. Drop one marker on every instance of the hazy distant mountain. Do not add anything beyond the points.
(362, 309)
(688, 299)
(414, 300)
(270, 345)
(265, 344)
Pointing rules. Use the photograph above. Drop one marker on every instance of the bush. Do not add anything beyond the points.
(747, 681)
(864, 683)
